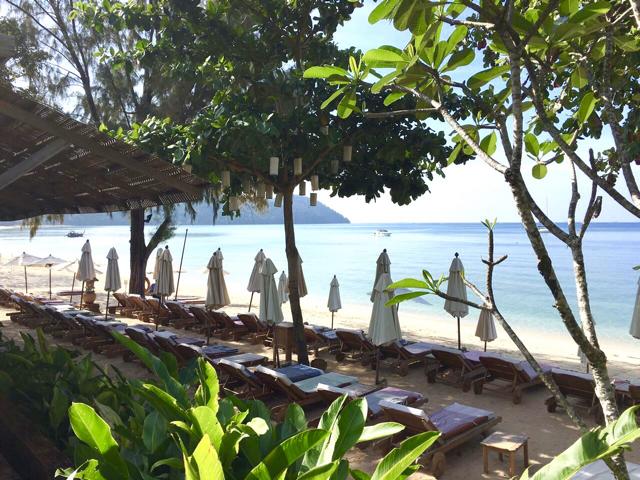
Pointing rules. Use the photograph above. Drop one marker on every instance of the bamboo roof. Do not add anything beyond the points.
(53, 164)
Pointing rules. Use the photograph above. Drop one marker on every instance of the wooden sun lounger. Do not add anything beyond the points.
(355, 344)
(579, 387)
(457, 424)
(182, 318)
(205, 321)
(258, 331)
(408, 354)
(518, 375)
(320, 338)
(373, 394)
(454, 367)
(232, 326)
(122, 305)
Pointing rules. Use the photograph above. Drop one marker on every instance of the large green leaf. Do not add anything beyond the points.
(403, 297)
(587, 105)
(207, 392)
(285, 454)
(166, 404)
(325, 71)
(407, 283)
(207, 423)
(206, 460)
(94, 431)
(154, 431)
(347, 105)
(399, 459)
(579, 78)
(488, 144)
(323, 453)
(531, 144)
(383, 10)
(485, 76)
(383, 57)
(321, 472)
(459, 59)
(380, 430)
(590, 10)
(350, 425)
(332, 97)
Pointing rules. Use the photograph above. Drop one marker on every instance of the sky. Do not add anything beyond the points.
(469, 193)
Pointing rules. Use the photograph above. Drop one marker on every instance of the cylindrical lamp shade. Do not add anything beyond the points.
(234, 204)
(297, 166)
(226, 178)
(302, 189)
(347, 151)
(335, 164)
(269, 191)
(260, 190)
(246, 185)
(313, 199)
(273, 165)
(324, 129)
(315, 183)
(278, 201)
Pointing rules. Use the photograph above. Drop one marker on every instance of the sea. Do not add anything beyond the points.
(349, 251)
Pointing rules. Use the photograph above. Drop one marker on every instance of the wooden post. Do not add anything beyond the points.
(184, 244)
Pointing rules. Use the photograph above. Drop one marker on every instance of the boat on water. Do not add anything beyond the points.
(74, 234)
(381, 232)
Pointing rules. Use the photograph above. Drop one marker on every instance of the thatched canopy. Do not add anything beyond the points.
(53, 164)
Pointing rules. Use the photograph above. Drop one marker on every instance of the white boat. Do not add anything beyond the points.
(381, 232)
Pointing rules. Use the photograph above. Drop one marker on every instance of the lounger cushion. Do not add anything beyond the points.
(244, 358)
(216, 351)
(239, 367)
(392, 395)
(310, 385)
(456, 419)
(275, 374)
(418, 348)
(297, 373)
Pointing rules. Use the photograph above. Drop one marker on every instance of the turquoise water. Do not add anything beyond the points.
(350, 251)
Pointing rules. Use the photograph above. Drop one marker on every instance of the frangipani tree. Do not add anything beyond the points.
(541, 82)
(264, 133)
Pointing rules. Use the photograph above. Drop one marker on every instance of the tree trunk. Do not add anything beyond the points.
(292, 264)
(137, 253)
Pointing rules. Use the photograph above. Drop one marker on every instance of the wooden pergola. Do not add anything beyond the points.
(53, 164)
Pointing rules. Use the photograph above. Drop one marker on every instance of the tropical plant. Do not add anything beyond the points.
(185, 431)
(553, 77)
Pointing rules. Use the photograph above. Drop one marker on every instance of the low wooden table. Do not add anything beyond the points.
(505, 443)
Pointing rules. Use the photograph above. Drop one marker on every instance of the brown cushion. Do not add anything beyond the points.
(456, 419)
(392, 395)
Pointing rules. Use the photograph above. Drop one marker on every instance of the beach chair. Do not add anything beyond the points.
(158, 312)
(457, 424)
(580, 388)
(408, 354)
(355, 344)
(139, 308)
(373, 394)
(122, 305)
(182, 318)
(518, 375)
(258, 331)
(321, 338)
(454, 367)
(143, 338)
(231, 326)
(206, 323)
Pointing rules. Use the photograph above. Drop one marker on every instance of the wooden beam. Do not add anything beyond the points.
(14, 111)
(36, 159)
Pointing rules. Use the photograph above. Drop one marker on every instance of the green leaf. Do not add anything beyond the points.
(531, 144)
(454, 154)
(384, 81)
(206, 460)
(154, 431)
(359, 475)
(569, 7)
(380, 430)
(285, 454)
(485, 76)
(590, 10)
(393, 97)
(163, 402)
(94, 431)
(58, 407)
(459, 59)
(539, 171)
(488, 144)
(579, 78)
(322, 472)
(350, 425)
(207, 392)
(587, 105)
(384, 10)
(399, 459)
(325, 71)
(408, 283)
(347, 105)
(328, 422)
(205, 420)
(403, 297)
(332, 97)
(383, 57)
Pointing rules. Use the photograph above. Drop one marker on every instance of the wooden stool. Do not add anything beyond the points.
(505, 443)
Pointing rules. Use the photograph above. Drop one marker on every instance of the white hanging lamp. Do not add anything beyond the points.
(347, 152)
(273, 165)
(297, 166)
(226, 179)
(315, 183)
(302, 189)
(313, 199)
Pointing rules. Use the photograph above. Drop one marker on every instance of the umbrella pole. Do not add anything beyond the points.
(106, 309)
(184, 244)
(459, 343)
(485, 345)
(332, 314)
(377, 365)
(26, 285)
(251, 301)
(49, 283)
(73, 284)
(158, 315)
(82, 294)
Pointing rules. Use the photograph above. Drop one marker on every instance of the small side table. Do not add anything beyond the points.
(505, 443)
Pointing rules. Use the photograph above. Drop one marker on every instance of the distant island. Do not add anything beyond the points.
(302, 211)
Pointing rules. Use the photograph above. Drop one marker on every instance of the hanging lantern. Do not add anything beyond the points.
(260, 190)
(302, 189)
(278, 202)
(234, 204)
(273, 165)
(335, 164)
(246, 185)
(313, 199)
(269, 191)
(324, 130)
(315, 183)
(347, 150)
(297, 166)
(226, 179)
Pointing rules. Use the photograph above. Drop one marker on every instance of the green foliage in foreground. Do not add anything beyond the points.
(187, 432)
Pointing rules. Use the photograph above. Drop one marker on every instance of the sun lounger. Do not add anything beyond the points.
(355, 344)
(320, 338)
(207, 324)
(232, 326)
(457, 424)
(143, 338)
(580, 388)
(408, 354)
(121, 298)
(454, 367)
(181, 317)
(258, 330)
(373, 394)
(517, 374)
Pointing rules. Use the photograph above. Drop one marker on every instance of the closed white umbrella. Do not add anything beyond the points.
(302, 285)
(334, 303)
(217, 294)
(164, 282)
(456, 288)
(635, 320)
(283, 288)
(156, 266)
(384, 326)
(255, 280)
(86, 270)
(486, 328)
(112, 279)
(383, 265)
(24, 260)
(270, 306)
(48, 262)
